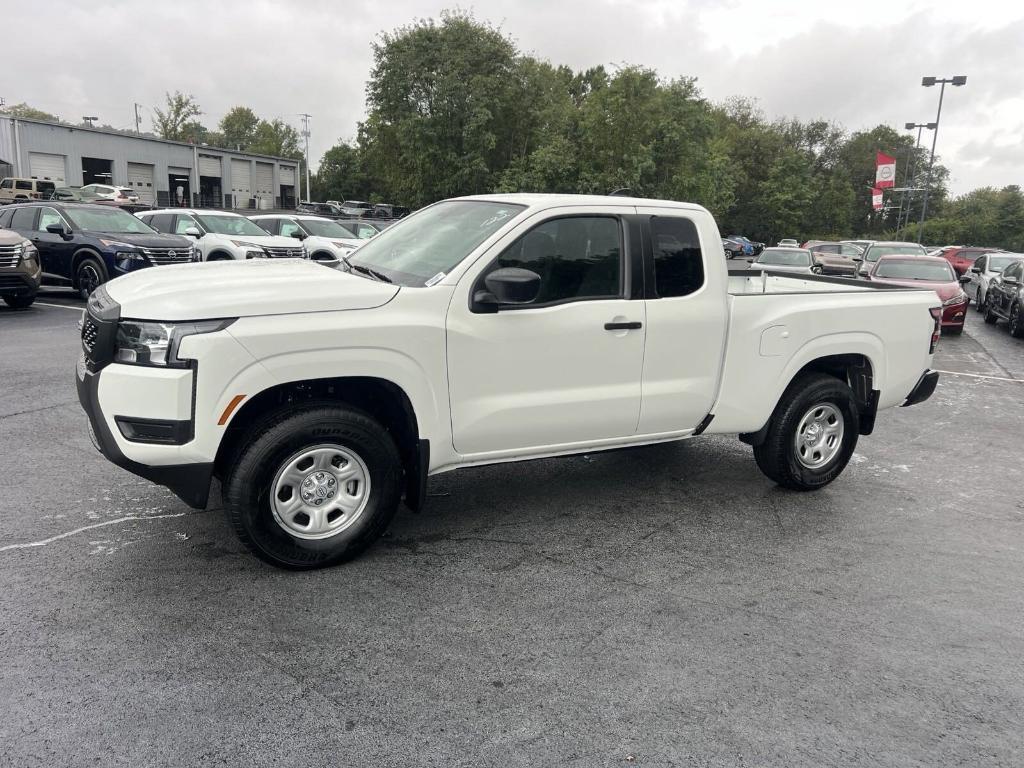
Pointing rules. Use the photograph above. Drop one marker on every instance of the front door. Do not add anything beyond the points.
(562, 370)
(54, 251)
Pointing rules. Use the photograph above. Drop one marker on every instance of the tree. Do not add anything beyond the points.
(170, 123)
(275, 138)
(341, 175)
(238, 127)
(30, 113)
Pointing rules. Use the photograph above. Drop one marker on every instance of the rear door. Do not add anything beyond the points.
(687, 318)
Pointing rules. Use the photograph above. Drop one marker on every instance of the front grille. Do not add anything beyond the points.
(89, 334)
(9, 255)
(161, 256)
(284, 253)
(13, 281)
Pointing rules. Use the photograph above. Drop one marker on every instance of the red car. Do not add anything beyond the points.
(926, 272)
(962, 257)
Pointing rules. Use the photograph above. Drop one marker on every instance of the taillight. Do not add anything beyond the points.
(936, 313)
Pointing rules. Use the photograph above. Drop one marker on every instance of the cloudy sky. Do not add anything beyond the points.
(856, 63)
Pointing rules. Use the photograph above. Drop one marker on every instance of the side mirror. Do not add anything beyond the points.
(976, 270)
(857, 259)
(510, 285)
(58, 229)
(964, 279)
(193, 232)
(298, 234)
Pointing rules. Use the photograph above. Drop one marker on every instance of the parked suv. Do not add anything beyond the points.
(12, 189)
(984, 270)
(318, 209)
(20, 273)
(324, 239)
(223, 236)
(85, 245)
(1005, 299)
(962, 257)
(120, 195)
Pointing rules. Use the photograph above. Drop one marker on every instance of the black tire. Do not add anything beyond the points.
(89, 275)
(220, 256)
(23, 301)
(777, 457)
(269, 445)
(991, 318)
(979, 303)
(953, 331)
(1016, 326)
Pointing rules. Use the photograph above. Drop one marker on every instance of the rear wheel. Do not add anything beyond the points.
(89, 275)
(313, 487)
(812, 433)
(22, 301)
(990, 317)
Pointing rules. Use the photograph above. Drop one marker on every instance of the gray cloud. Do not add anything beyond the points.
(860, 66)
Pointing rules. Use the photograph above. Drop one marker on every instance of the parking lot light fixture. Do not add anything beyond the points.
(928, 82)
(908, 191)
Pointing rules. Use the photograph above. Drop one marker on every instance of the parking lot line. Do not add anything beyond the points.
(59, 536)
(59, 306)
(980, 376)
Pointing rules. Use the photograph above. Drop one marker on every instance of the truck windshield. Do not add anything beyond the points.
(433, 241)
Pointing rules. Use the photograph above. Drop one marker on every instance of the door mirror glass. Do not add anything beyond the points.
(191, 232)
(56, 229)
(512, 285)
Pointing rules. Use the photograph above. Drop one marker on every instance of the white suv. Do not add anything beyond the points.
(325, 239)
(222, 235)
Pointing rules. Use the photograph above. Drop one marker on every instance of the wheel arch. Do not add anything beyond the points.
(383, 399)
(219, 254)
(85, 252)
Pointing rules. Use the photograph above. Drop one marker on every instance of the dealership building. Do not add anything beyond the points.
(161, 172)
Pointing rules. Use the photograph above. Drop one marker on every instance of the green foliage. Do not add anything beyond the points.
(238, 127)
(277, 138)
(985, 216)
(29, 113)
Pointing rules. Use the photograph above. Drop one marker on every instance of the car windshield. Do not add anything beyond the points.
(789, 257)
(915, 269)
(102, 219)
(999, 263)
(230, 225)
(320, 228)
(875, 252)
(430, 243)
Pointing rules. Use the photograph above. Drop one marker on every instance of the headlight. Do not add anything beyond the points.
(146, 342)
(260, 254)
(127, 259)
(27, 252)
(961, 299)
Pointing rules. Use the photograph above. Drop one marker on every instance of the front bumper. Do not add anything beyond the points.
(953, 316)
(923, 389)
(189, 482)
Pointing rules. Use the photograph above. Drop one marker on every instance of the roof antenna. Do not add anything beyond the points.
(621, 192)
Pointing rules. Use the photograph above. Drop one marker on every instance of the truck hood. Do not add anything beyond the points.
(243, 289)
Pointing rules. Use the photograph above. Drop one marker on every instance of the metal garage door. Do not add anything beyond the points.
(209, 166)
(140, 179)
(241, 182)
(287, 176)
(265, 185)
(46, 166)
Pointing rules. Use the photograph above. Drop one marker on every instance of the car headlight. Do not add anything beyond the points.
(127, 259)
(954, 300)
(27, 252)
(148, 342)
(254, 254)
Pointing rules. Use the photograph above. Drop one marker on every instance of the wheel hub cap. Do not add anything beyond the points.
(819, 436)
(320, 491)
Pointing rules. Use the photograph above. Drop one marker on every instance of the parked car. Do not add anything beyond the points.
(15, 189)
(74, 195)
(862, 244)
(318, 209)
(962, 257)
(223, 235)
(356, 208)
(481, 330)
(734, 249)
(877, 250)
(985, 268)
(119, 195)
(926, 272)
(840, 259)
(388, 211)
(364, 230)
(1005, 300)
(750, 248)
(785, 259)
(788, 242)
(20, 272)
(84, 245)
(324, 239)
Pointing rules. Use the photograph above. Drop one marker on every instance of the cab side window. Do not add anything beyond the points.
(48, 216)
(5, 219)
(22, 184)
(271, 225)
(182, 223)
(678, 262)
(161, 222)
(23, 218)
(7, 184)
(288, 228)
(579, 257)
(980, 263)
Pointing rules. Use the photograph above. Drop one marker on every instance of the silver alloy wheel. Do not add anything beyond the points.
(320, 491)
(819, 436)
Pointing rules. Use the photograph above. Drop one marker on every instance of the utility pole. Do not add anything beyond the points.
(137, 120)
(928, 82)
(908, 193)
(305, 132)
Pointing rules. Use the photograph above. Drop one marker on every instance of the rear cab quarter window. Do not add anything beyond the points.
(677, 259)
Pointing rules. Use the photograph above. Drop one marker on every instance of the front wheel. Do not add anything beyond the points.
(313, 487)
(23, 301)
(812, 433)
(991, 318)
(1016, 322)
(89, 275)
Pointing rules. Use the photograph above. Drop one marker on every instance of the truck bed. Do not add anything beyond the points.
(747, 282)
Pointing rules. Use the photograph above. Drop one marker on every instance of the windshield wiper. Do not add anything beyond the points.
(380, 276)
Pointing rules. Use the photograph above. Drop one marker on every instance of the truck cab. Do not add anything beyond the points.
(481, 330)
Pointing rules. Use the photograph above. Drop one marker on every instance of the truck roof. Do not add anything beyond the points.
(539, 200)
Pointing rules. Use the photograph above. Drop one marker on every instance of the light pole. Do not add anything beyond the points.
(928, 82)
(908, 196)
(88, 120)
(305, 132)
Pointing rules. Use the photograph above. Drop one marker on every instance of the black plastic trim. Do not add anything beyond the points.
(704, 424)
(627, 326)
(189, 482)
(416, 477)
(923, 389)
(868, 412)
(155, 431)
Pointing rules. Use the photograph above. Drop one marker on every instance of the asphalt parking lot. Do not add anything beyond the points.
(658, 606)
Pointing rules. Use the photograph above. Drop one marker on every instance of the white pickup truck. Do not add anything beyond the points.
(480, 330)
